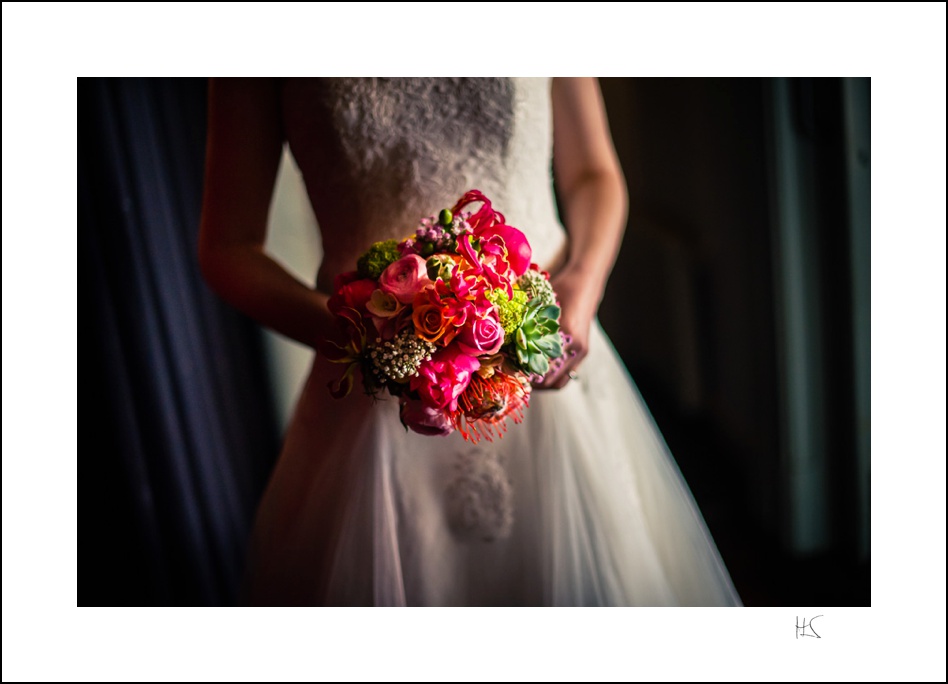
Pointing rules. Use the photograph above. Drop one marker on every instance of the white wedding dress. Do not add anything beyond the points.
(581, 504)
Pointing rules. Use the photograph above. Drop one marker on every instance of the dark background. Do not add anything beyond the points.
(739, 303)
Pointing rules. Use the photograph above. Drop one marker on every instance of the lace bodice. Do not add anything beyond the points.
(378, 154)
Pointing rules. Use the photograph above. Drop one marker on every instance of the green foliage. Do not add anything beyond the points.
(511, 311)
(378, 258)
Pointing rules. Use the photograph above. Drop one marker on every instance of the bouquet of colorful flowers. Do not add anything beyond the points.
(455, 321)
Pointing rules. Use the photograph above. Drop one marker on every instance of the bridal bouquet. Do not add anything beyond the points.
(455, 321)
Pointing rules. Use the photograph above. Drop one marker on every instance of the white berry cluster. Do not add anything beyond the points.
(398, 359)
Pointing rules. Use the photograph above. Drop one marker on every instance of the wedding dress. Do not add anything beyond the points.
(581, 504)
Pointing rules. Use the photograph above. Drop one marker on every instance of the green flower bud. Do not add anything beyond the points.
(446, 218)
(439, 267)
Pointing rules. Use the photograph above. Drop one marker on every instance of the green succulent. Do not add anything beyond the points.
(538, 340)
(379, 256)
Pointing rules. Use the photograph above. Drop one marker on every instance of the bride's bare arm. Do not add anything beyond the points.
(594, 204)
(244, 144)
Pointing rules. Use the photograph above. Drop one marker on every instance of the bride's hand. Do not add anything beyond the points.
(579, 301)
(594, 203)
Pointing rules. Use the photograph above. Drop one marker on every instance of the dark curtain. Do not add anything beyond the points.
(176, 395)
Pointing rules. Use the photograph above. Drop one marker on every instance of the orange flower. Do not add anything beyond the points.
(488, 401)
(428, 317)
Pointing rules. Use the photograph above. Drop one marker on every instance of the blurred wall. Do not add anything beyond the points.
(293, 239)
(690, 303)
(740, 297)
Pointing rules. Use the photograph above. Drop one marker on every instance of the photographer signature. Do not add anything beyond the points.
(804, 625)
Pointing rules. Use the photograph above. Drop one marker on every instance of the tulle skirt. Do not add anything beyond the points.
(581, 504)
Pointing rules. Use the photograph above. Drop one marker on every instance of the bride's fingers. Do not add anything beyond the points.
(567, 372)
(560, 378)
(564, 378)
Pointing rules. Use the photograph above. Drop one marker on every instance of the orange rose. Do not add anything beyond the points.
(429, 320)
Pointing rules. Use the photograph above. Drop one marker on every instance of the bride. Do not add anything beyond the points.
(581, 504)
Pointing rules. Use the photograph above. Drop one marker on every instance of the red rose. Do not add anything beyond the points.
(351, 292)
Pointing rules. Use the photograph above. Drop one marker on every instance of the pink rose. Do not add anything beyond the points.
(425, 420)
(405, 278)
(484, 336)
(441, 379)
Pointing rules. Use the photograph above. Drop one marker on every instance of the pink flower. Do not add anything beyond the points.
(488, 224)
(518, 251)
(465, 280)
(483, 266)
(441, 380)
(405, 278)
(425, 420)
(484, 336)
(456, 312)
